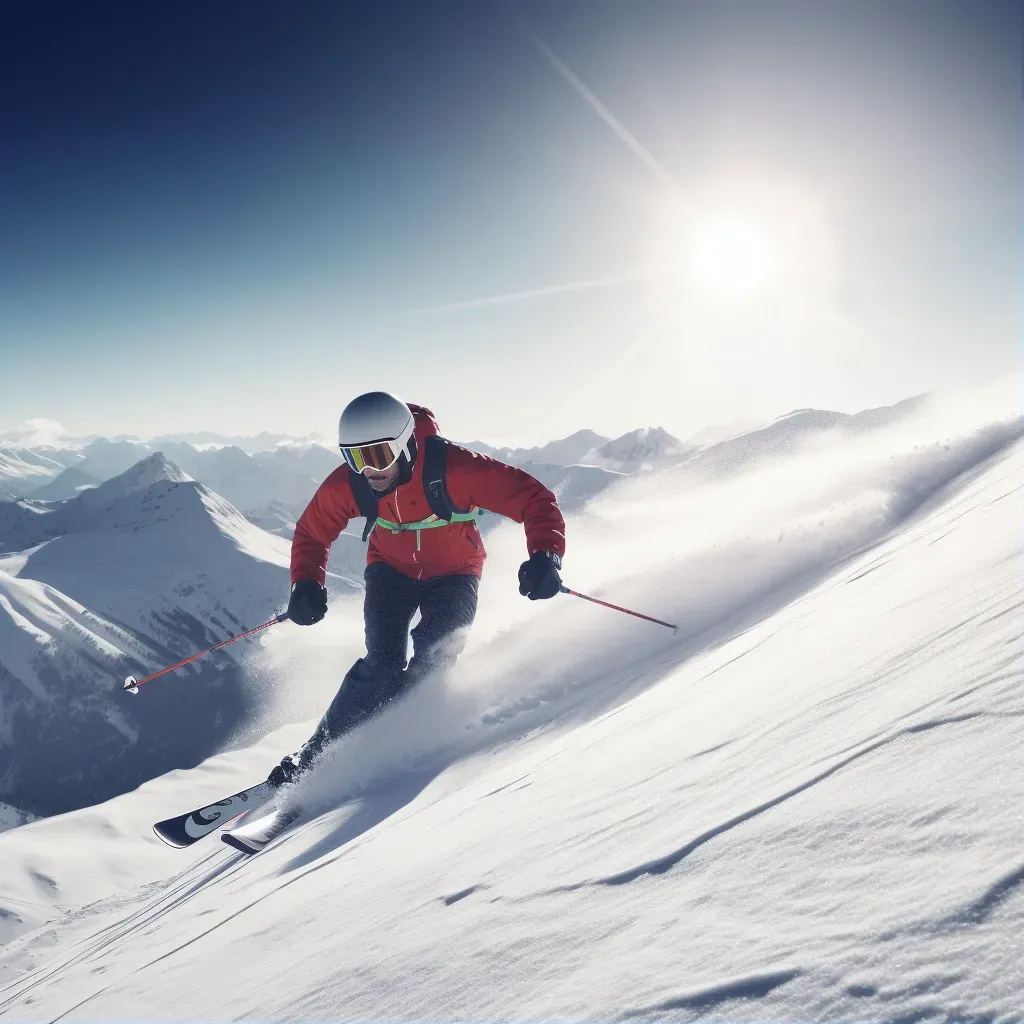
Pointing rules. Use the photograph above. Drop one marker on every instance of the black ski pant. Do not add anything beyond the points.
(447, 606)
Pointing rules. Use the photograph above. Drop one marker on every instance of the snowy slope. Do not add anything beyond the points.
(131, 576)
(804, 807)
(22, 471)
(67, 735)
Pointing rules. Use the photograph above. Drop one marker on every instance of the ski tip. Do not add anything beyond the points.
(131, 684)
(170, 838)
(236, 844)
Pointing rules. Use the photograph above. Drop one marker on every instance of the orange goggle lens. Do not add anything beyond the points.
(371, 456)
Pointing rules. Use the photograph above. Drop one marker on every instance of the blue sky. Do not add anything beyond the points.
(532, 217)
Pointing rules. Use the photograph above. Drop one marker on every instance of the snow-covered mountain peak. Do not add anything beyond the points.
(156, 468)
(151, 498)
(567, 451)
(645, 448)
(648, 439)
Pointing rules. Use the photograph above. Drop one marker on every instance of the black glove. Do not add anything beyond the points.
(538, 576)
(308, 602)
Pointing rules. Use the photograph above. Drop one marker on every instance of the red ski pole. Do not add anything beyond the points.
(606, 604)
(131, 684)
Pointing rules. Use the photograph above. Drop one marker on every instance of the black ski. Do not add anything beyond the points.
(186, 829)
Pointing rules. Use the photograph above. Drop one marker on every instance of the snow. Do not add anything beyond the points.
(807, 806)
(22, 471)
(33, 616)
(53, 868)
(157, 526)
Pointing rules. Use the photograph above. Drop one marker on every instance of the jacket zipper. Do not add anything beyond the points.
(398, 519)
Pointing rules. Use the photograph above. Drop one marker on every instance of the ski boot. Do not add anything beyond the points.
(287, 771)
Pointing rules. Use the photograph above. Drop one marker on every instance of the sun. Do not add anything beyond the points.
(732, 257)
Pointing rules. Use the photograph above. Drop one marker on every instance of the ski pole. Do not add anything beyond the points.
(131, 684)
(606, 604)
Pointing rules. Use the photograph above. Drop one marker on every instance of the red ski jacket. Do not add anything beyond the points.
(472, 480)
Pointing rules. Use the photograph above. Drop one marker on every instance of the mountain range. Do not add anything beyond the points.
(254, 473)
(126, 577)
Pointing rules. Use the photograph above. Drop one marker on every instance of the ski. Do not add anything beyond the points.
(254, 835)
(186, 829)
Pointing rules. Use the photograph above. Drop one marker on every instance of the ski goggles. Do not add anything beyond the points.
(378, 455)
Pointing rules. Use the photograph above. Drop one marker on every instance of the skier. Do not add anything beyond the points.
(420, 496)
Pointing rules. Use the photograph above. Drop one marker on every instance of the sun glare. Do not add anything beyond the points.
(732, 257)
(740, 241)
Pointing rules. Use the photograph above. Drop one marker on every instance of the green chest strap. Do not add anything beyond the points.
(431, 522)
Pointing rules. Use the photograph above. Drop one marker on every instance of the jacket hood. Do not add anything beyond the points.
(425, 423)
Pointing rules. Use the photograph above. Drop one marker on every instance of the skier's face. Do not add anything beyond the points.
(382, 479)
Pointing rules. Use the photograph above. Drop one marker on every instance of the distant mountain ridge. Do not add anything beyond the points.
(796, 429)
(272, 485)
(646, 448)
(250, 444)
(67, 484)
(566, 451)
(287, 474)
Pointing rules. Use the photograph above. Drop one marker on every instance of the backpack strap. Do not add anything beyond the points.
(435, 486)
(366, 500)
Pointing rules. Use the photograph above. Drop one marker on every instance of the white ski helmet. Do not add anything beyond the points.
(375, 430)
